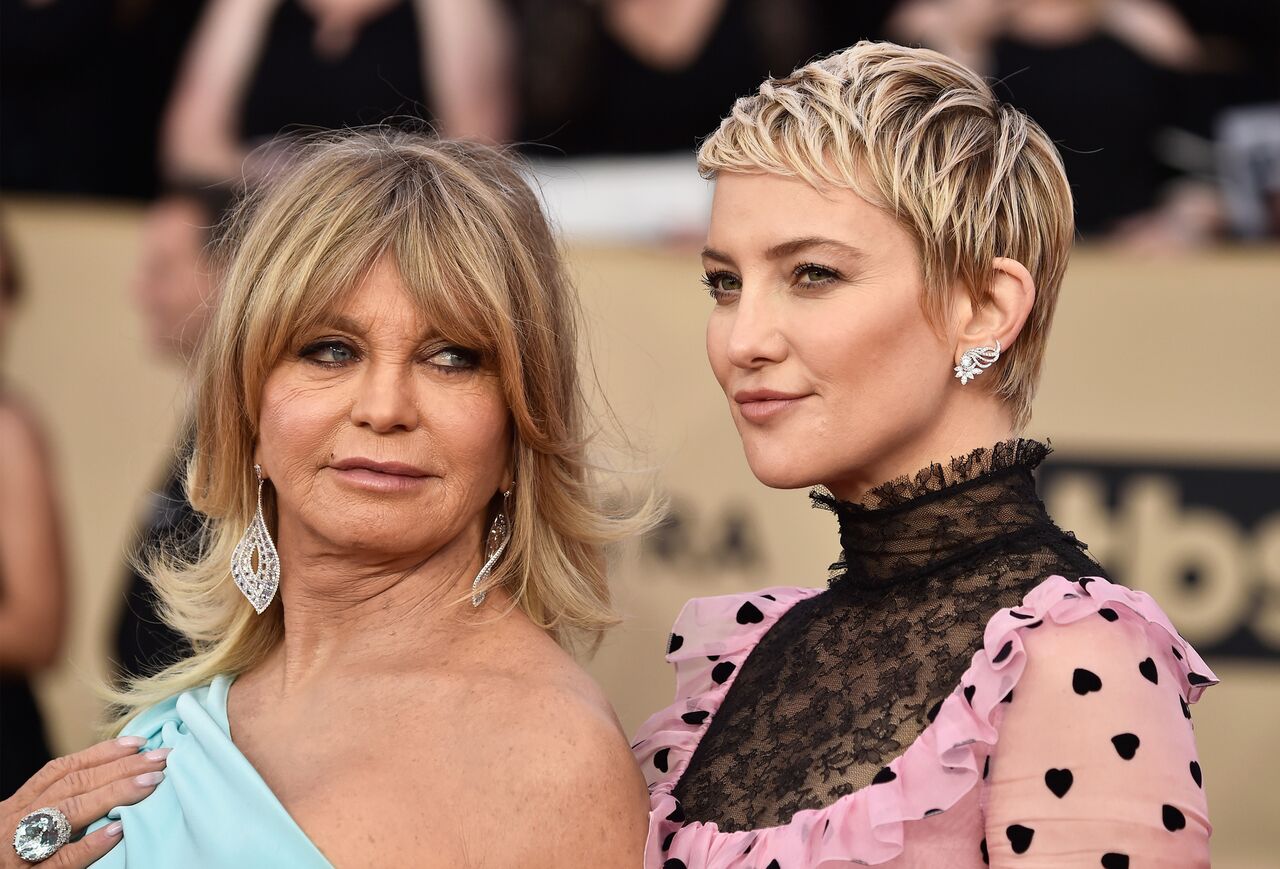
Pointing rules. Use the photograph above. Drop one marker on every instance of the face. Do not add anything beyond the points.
(174, 287)
(381, 437)
(818, 339)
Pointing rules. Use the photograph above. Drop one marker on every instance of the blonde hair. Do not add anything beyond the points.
(923, 137)
(475, 252)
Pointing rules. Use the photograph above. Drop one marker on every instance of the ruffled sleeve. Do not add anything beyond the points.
(1096, 761)
(992, 763)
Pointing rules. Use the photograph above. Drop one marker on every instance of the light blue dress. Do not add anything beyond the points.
(212, 809)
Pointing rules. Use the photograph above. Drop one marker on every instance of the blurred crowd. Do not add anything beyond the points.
(1167, 111)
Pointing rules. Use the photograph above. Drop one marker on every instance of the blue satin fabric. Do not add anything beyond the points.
(212, 809)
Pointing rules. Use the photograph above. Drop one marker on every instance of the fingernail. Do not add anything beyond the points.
(157, 753)
(131, 742)
(149, 779)
(113, 830)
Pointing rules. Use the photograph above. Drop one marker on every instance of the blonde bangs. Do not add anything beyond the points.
(475, 252)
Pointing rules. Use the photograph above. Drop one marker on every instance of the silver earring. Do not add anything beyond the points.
(258, 585)
(494, 545)
(976, 361)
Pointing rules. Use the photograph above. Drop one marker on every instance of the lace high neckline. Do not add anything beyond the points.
(846, 679)
(921, 522)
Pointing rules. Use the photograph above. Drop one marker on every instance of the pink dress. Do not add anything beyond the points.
(1092, 763)
(1066, 741)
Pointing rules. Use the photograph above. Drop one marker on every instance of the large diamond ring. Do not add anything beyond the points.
(40, 834)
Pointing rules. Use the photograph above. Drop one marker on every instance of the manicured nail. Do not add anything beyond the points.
(131, 742)
(111, 831)
(149, 779)
(157, 753)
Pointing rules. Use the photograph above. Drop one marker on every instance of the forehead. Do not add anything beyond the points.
(753, 212)
(380, 302)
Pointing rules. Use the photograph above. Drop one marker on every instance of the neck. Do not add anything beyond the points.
(347, 616)
(953, 435)
(942, 514)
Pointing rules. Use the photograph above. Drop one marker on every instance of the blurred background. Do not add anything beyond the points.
(125, 125)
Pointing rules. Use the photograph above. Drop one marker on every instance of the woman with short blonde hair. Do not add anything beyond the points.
(885, 252)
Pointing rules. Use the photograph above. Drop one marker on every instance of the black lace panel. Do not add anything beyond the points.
(846, 680)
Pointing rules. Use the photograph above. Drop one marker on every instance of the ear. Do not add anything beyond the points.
(1002, 316)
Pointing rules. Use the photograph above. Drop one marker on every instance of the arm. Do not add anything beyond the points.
(467, 59)
(32, 563)
(200, 137)
(1111, 771)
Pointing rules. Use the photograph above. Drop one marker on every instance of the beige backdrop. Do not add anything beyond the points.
(1152, 360)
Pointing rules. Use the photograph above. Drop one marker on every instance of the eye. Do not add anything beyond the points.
(329, 352)
(720, 284)
(814, 275)
(456, 358)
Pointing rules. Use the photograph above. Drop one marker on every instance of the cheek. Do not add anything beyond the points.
(473, 433)
(297, 424)
(718, 326)
(880, 360)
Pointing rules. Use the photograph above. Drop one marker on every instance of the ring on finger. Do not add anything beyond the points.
(40, 834)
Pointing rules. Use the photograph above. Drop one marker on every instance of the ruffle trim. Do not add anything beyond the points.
(713, 636)
(936, 477)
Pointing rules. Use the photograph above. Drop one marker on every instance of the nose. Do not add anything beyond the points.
(755, 335)
(385, 399)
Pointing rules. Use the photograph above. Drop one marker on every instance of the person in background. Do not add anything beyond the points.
(175, 289)
(663, 61)
(1106, 79)
(33, 564)
(257, 67)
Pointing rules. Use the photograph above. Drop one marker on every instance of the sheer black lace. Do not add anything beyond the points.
(846, 680)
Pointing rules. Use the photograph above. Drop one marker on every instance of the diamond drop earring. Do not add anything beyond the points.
(494, 545)
(976, 361)
(258, 585)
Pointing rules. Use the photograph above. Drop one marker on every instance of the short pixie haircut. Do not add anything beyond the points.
(923, 137)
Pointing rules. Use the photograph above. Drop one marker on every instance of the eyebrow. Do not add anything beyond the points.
(790, 247)
(345, 324)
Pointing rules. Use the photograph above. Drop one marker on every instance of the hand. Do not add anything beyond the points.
(84, 786)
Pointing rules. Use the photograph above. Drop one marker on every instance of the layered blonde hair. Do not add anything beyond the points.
(923, 137)
(476, 254)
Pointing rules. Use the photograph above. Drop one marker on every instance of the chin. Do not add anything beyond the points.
(779, 469)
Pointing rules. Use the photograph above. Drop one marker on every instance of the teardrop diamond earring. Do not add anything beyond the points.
(494, 545)
(257, 584)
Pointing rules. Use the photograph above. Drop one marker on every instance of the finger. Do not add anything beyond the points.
(80, 795)
(92, 847)
(59, 767)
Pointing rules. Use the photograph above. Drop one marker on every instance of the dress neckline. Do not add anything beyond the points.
(944, 513)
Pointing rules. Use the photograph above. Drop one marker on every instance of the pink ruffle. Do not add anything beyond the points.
(713, 636)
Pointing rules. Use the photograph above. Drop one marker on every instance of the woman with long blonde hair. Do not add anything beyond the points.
(404, 537)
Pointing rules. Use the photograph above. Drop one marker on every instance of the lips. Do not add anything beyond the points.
(398, 469)
(379, 478)
(761, 405)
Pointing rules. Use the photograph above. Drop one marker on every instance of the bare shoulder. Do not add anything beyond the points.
(569, 771)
